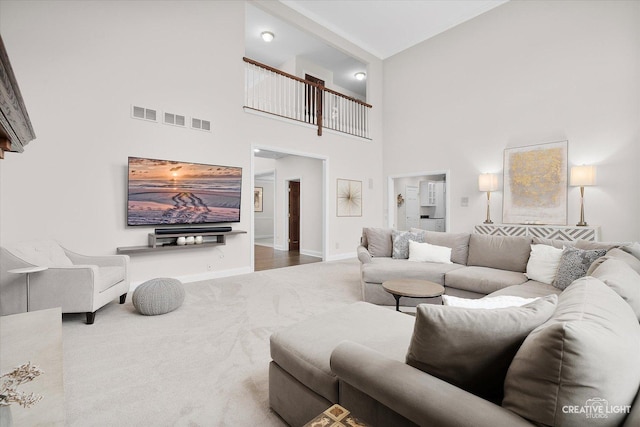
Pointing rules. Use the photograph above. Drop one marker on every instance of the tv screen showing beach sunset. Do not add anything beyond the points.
(165, 192)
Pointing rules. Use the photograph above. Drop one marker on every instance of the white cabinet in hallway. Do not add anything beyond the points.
(433, 224)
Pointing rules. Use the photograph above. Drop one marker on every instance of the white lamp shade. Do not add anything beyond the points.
(488, 182)
(582, 176)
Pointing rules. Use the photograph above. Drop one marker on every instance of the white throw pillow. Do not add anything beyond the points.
(500, 301)
(425, 252)
(543, 263)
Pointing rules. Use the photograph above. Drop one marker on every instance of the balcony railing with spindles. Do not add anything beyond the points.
(272, 91)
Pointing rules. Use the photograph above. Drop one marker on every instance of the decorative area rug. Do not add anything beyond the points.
(205, 364)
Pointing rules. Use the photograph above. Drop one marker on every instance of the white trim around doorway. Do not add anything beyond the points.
(325, 189)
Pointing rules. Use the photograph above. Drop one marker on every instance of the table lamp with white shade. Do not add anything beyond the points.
(582, 176)
(488, 182)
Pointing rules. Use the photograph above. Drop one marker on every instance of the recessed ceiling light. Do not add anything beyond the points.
(267, 36)
(360, 75)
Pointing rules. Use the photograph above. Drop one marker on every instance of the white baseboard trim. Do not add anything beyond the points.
(338, 257)
(280, 248)
(201, 276)
(309, 252)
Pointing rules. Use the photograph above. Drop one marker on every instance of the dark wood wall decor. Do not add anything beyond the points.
(15, 126)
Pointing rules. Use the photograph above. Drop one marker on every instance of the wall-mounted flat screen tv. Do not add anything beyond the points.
(166, 192)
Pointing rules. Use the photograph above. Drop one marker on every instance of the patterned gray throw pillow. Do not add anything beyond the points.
(401, 242)
(574, 264)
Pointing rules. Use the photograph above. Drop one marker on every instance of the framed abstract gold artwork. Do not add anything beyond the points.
(349, 198)
(535, 184)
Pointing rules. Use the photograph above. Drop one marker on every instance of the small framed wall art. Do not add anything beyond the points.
(535, 184)
(257, 199)
(349, 198)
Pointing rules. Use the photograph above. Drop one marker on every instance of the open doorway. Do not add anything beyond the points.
(419, 200)
(299, 212)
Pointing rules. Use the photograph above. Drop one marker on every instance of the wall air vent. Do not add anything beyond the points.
(144, 113)
(174, 119)
(200, 124)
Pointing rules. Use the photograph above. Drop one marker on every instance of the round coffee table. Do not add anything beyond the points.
(412, 288)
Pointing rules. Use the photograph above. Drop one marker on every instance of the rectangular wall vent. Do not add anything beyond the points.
(200, 124)
(174, 119)
(144, 113)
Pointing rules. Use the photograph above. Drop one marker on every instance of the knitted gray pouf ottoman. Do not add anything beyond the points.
(158, 296)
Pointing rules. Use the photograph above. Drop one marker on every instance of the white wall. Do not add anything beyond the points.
(264, 221)
(526, 72)
(80, 66)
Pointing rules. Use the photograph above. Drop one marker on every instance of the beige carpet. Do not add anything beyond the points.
(204, 364)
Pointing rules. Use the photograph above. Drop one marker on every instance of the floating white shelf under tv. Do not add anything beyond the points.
(164, 242)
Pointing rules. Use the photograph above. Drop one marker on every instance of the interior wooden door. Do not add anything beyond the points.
(294, 215)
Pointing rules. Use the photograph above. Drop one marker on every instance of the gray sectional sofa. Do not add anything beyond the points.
(576, 354)
(481, 265)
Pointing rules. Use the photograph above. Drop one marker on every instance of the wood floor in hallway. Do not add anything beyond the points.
(267, 258)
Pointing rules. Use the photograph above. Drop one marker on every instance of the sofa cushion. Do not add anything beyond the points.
(378, 241)
(543, 263)
(559, 244)
(482, 279)
(425, 252)
(588, 349)
(473, 347)
(528, 289)
(501, 252)
(382, 269)
(458, 242)
(574, 264)
(632, 248)
(590, 245)
(401, 241)
(623, 279)
(304, 349)
(626, 257)
(109, 276)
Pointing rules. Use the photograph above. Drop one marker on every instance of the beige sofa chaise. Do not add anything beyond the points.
(584, 352)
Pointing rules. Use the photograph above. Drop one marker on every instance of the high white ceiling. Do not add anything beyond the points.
(386, 27)
(381, 27)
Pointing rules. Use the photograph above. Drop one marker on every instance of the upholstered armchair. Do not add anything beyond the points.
(76, 283)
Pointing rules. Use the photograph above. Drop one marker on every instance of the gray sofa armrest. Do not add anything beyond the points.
(363, 255)
(416, 395)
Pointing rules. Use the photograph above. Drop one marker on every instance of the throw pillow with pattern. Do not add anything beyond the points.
(401, 242)
(574, 264)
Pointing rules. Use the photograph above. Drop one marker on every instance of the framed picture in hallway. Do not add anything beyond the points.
(257, 199)
(535, 184)
(349, 198)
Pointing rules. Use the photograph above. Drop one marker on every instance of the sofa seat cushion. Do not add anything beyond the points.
(382, 269)
(109, 276)
(528, 289)
(482, 279)
(589, 349)
(304, 349)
